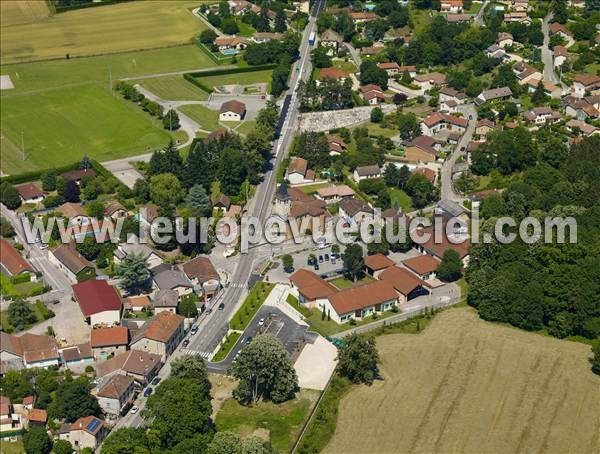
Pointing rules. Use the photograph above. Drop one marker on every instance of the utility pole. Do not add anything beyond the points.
(22, 145)
(110, 80)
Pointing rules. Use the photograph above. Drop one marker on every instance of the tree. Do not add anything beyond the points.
(187, 308)
(89, 247)
(320, 58)
(225, 443)
(20, 314)
(37, 441)
(280, 21)
(450, 268)
(95, 209)
(335, 248)
(63, 447)
(127, 440)
(73, 400)
(358, 359)
(133, 274)
(178, 409)
(141, 191)
(9, 196)
(208, 36)
(193, 367)
(539, 95)
(265, 372)
(596, 358)
(49, 180)
(198, 200)
(16, 384)
(376, 115)
(288, 262)
(408, 125)
(166, 190)
(6, 228)
(230, 26)
(262, 23)
(314, 148)
(171, 120)
(354, 261)
(71, 193)
(399, 98)
(370, 73)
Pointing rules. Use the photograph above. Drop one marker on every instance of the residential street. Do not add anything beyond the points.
(447, 187)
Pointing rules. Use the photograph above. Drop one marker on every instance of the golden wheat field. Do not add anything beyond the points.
(467, 386)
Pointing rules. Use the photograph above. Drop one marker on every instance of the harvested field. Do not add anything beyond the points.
(464, 385)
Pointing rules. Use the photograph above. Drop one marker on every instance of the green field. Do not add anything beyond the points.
(246, 78)
(207, 119)
(173, 88)
(245, 127)
(278, 423)
(465, 385)
(28, 35)
(62, 125)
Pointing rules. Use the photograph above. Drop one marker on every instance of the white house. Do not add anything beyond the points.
(505, 40)
(298, 171)
(116, 394)
(232, 111)
(582, 83)
(30, 193)
(366, 172)
(358, 210)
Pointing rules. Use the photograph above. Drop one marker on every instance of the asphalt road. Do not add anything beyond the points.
(448, 192)
(479, 18)
(212, 326)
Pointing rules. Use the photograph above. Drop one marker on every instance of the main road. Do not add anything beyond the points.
(213, 325)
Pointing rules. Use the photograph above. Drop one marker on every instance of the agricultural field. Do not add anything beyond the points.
(61, 125)
(465, 385)
(173, 88)
(29, 33)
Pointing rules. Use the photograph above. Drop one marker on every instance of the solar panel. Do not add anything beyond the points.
(93, 425)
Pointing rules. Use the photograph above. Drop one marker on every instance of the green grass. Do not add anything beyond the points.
(342, 283)
(345, 65)
(62, 125)
(475, 7)
(420, 18)
(125, 26)
(594, 69)
(377, 130)
(283, 422)
(246, 78)
(402, 198)
(313, 188)
(173, 88)
(226, 346)
(245, 127)
(12, 448)
(245, 29)
(207, 118)
(252, 303)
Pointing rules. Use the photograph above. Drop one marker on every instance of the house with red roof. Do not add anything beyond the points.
(105, 341)
(30, 193)
(86, 432)
(160, 336)
(375, 264)
(424, 266)
(437, 122)
(332, 73)
(310, 289)
(99, 302)
(12, 262)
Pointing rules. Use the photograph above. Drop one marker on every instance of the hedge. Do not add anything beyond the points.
(221, 72)
(61, 9)
(20, 278)
(36, 174)
(197, 83)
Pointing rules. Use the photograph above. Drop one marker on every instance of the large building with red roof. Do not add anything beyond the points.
(99, 302)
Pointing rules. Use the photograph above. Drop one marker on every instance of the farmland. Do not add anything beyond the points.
(464, 385)
(29, 33)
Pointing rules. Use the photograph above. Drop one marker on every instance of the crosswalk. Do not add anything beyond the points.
(237, 285)
(203, 355)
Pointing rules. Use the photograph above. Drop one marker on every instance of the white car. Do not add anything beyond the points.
(261, 322)
(134, 410)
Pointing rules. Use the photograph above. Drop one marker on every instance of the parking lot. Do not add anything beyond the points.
(329, 267)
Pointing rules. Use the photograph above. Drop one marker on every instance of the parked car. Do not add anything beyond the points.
(320, 259)
(221, 306)
(326, 257)
(316, 266)
(261, 322)
(185, 343)
(156, 381)
(134, 410)
(148, 391)
(193, 329)
(333, 261)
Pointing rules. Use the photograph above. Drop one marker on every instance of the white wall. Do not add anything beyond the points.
(105, 317)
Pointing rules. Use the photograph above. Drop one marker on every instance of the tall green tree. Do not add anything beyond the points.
(354, 261)
(171, 120)
(198, 200)
(166, 190)
(37, 441)
(73, 400)
(63, 447)
(132, 440)
(358, 359)
(20, 314)
(280, 21)
(9, 196)
(265, 371)
(49, 180)
(133, 274)
(450, 268)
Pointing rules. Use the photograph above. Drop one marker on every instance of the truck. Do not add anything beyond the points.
(311, 38)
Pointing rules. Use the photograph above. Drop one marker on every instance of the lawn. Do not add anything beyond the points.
(62, 125)
(207, 118)
(7, 447)
(280, 423)
(113, 28)
(402, 198)
(475, 7)
(342, 283)
(41, 313)
(471, 386)
(246, 78)
(173, 88)
(376, 130)
(313, 188)
(251, 305)
(420, 18)
(245, 127)
(226, 346)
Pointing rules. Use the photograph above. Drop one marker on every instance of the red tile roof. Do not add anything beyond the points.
(402, 280)
(363, 296)
(103, 337)
(334, 73)
(233, 106)
(378, 262)
(11, 260)
(438, 117)
(161, 328)
(29, 191)
(116, 386)
(310, 285)
(84, 423)
(96, 296)
(422, 264)
(200, 268)
(38, 415)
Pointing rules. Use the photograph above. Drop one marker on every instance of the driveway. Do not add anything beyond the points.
(396, 87)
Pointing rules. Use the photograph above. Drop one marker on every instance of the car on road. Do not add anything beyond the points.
(156, 381)
(193, 329)
(221, 306)
(470, 117)
(248, 340)
(261, 322)
(134, 410)
(148, 391)
(462, 148)
(185, 343)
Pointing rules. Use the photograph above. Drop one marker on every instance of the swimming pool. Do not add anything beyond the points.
(229, 51)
